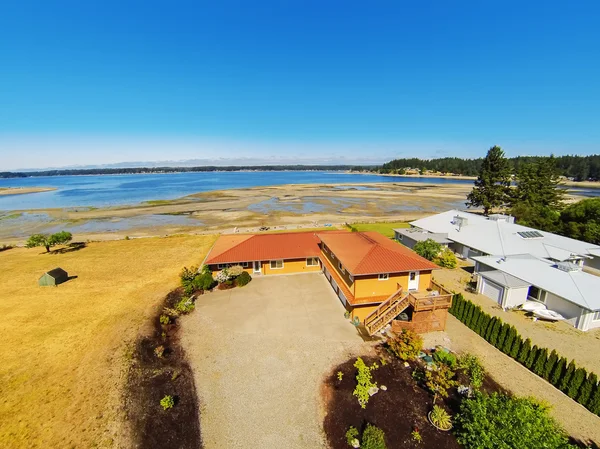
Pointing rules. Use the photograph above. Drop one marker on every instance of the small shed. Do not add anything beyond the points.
(54, 277)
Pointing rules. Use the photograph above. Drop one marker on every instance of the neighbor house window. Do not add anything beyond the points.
(341, 267)
(276, 264)
(221, 266)
(384, 276)
(244, 264)
(400, 236)
(312, 262)
(534, 292)
(597, 316)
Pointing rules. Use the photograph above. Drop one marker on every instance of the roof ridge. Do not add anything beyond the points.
(356, 268)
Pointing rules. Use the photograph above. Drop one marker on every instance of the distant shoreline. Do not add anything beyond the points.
(24, 190)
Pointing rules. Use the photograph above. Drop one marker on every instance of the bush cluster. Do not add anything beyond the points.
(364, 382)
(574, 381)
(405, 345)
(193, 279)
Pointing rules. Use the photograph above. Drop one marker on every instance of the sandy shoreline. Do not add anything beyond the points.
(24, 190)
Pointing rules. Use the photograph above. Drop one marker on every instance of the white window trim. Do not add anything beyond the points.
(244, 264)
(383, 276)
(276, 267)
(313, 259)
(596, 316)
(222, 266)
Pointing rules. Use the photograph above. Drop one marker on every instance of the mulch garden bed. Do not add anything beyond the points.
(151, 378)
(397, 411)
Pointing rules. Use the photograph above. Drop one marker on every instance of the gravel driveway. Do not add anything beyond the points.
(259, 354)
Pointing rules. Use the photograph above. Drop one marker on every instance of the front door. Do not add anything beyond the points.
(257, 268)
(413, 280)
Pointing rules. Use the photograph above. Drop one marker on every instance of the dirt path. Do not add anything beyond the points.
(568, 341)
(259, 355)
(575, 419)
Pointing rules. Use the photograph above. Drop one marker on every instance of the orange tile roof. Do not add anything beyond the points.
(364, 253)
(249, 247)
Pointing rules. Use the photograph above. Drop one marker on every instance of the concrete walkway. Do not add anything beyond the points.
(259, 354)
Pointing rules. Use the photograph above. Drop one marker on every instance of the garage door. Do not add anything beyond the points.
(492, 290)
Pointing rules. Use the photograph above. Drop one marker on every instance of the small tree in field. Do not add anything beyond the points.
(429, 249)
(48, 241)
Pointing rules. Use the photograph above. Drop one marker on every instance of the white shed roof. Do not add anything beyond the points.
(499, 237)
(421, 235)
(504, 279)
(575, 286)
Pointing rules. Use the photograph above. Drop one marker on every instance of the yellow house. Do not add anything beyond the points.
(366, 268)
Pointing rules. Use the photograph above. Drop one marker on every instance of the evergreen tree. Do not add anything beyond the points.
(550, 364)
(531, 357)
(558, 371)
(566, 378)
(460, 307)
(540, 362)
(516, 347)
(587, 388)
(490, 328)
(508, 341)
(495, 332)
(502, 336)
(538, 185)
(524, 351)
(594, 402)
(493, 183)
(475, 318)
(469, 313)
(576, 381)
(483, 323)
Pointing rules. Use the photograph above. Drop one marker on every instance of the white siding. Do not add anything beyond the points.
(515, 297)
(570, 311)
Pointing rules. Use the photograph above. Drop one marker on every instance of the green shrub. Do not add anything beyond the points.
(373, 438)
(473, 369)
(558, 371)
(159, 351)
(446, 259)
(576, 381)
(469, 313)
(164, 319)
(364, 382)
(235, 270)
(461, 308)
(405, 345)
(594, 403)
(445, 357)
(587, 388)
(552, 359)
(490, 328)
(483, 324)
(167, 402)
(243, 279)
(524, 351)
(566, 378)
(429, 249)
(516, 347)
(495, 332)
(475, 318)
(440, 418)
(185, 305)
(439, 380)
(483, 423)
(351, 435)
(204, 281)
(531, 357)
(540, 362)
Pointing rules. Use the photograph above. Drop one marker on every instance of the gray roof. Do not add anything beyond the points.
(56, 272)
(504, 279)
(420, 235)
(500, 237)
(578, 287)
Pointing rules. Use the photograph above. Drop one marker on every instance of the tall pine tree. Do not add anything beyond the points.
(493, 183)
(540, 362)
(516, 347)
(558, 371)
(550, 364)
(576, 381)
(566, 378)
(587, 388)
(594, 402)
(508, 341)
(502, 336)
(531, 357)
(524, 351)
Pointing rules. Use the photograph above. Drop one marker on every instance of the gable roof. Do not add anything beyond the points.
(245, 248)
(501, 238)
(577, 287)
(364, 253)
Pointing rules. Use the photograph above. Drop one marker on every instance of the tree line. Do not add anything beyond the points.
(144, 170)
(580, 168)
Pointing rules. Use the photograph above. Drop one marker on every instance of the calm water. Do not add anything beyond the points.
(116, 190)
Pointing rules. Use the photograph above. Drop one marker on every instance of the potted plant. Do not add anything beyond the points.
(440, 419)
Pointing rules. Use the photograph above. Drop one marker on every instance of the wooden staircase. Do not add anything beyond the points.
(386, 311)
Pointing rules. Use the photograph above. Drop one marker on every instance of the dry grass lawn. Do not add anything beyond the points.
(64, 349)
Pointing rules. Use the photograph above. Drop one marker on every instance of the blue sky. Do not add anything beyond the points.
(105, 82)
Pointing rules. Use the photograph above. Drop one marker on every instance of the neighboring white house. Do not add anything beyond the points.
(515, 263)
(410, 236)
(561, 286)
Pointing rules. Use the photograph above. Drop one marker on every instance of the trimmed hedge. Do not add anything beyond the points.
(574, 381)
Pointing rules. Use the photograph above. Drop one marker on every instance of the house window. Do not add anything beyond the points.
(412, 275)
(597, 315)
(534, 292)
(244, 264)
(312, 262)
(384, 276)
(341, 267)
(222, 266)
(400, 236)
(276, 264)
